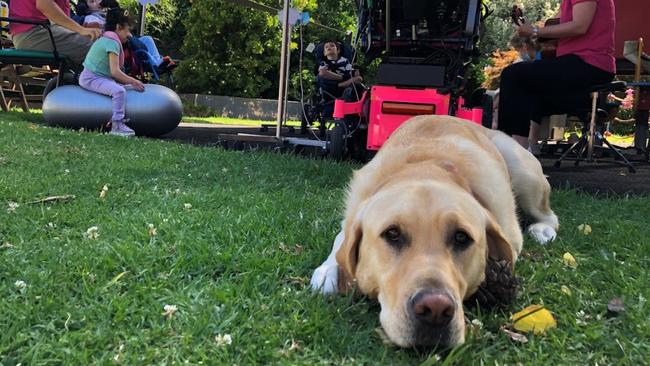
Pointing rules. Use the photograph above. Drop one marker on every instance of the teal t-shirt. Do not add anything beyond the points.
(97, 57)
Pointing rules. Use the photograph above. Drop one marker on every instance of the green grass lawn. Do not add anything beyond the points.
(231, 238)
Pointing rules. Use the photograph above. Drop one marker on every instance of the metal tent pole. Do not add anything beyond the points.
(283, 69)
(142, 19)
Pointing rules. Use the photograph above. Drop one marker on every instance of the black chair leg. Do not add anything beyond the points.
(625, 162)
(578, 147)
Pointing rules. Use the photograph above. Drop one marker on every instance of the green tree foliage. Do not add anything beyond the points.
(498, 28)
(230, 50)
(233, 50)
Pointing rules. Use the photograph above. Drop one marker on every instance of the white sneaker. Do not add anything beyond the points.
(121, 129)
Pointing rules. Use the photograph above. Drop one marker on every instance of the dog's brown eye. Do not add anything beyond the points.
(462, 239)
(393, 235)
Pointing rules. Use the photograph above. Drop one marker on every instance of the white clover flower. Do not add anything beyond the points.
(12, 207)
(187, 206)
(104, 191)
(152, 230)
(20, 284)
(92, 232)
(223, 340)
(477, 323)
(170, 310)
(66, 171)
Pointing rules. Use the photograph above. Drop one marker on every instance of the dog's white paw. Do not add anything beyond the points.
(325, 279)
(542, 233)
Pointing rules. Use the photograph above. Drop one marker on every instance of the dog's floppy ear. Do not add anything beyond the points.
(498, 247)
(347, 256)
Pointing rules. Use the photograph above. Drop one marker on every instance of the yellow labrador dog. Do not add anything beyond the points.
(422, 217)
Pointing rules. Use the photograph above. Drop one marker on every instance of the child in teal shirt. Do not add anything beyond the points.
(102, 69)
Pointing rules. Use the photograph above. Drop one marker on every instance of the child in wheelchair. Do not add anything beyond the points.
(336, 78)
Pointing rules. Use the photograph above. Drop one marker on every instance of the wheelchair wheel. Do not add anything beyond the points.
(337, 143)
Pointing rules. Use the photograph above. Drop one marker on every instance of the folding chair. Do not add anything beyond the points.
(11, 57)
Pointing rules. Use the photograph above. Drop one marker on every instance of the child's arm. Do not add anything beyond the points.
(350, 81)
(325, 73)
(118, 75)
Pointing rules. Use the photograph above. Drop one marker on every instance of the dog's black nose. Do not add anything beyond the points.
(434, 308)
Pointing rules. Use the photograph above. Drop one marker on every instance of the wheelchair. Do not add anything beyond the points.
(319, 107)
(424, 48)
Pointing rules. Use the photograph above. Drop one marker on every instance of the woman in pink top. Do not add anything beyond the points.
(585, 57)
(72, 40)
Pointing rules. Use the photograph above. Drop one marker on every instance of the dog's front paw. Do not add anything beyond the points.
(542, 233)
(325, 279)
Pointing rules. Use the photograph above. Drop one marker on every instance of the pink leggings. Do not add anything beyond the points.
(107, 86)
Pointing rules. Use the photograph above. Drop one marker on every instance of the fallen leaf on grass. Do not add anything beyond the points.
(63, 198)
(569, 260)
(616, 306)
(295, 250)
(566, 290)
(295, 346)
(514, 335)
(585, 229)
(534, 318)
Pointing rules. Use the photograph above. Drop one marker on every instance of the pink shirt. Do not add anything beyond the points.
(596, 47)
(26, 9)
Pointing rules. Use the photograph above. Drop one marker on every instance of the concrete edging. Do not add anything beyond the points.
(245, 108)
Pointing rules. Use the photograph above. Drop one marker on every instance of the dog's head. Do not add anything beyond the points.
(420, 248)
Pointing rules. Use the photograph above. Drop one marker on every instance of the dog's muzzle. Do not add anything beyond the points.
(432, 312)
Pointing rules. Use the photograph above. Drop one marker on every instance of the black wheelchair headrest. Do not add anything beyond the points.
(346, 51)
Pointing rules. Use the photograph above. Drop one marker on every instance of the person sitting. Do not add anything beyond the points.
(585, 58)
(94, 13)
(72, 39)
(335, 74)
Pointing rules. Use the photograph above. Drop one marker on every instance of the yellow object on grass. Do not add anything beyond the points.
(569, 260)
(534, 318)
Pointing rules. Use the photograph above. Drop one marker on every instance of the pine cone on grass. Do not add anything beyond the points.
(499, 288)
